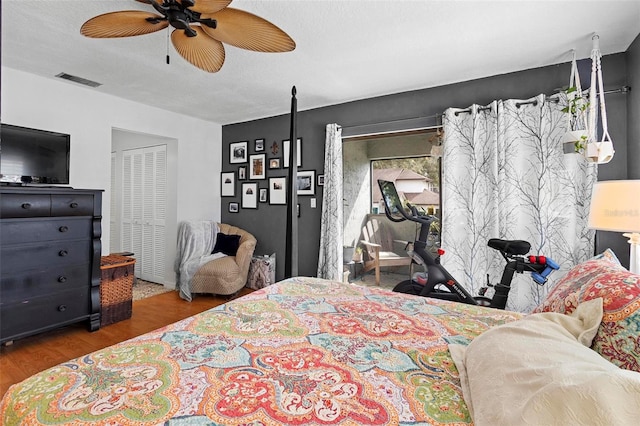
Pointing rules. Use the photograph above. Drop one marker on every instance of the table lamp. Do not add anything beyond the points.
(615, 206)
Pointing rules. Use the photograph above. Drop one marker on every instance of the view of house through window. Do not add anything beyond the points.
(404, 159)
(417, 181)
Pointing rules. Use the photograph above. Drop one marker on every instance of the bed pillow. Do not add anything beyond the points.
(540, 371)
(617, 338)
(226, 244)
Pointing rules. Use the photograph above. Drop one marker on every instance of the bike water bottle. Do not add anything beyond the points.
(541, 278)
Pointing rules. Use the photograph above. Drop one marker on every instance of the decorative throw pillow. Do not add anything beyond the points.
(227, 244)
(609, 255)
(617, 339)
(540, 371)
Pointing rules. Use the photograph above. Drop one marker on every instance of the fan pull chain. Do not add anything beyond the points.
(168, 59)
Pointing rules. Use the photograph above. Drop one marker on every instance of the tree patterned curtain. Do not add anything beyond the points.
(505, 176)
(331, 231)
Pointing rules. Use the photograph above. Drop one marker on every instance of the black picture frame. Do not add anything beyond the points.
(274, 163)
(242, 173)
(277, 190)
(306, 182)
(227, 184)
(238, 152)
(286, 150)
(249, 195)
(258, 145)
(257, 166)
(320, 180)
(263, 198)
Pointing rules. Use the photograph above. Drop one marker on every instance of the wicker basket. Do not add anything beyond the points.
(116, 288)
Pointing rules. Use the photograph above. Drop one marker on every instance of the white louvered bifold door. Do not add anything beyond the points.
(113, 216)
(144, 210)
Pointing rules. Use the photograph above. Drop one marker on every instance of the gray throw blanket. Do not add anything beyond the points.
(196, 240)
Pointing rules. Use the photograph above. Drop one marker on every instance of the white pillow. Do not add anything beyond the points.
(540, 371)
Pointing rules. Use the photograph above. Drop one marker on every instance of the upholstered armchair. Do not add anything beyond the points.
(201, 270)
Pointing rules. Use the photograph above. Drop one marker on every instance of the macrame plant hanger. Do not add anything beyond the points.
(597, 152)
(577, 126)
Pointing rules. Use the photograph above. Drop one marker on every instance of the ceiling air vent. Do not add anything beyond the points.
(79, 80)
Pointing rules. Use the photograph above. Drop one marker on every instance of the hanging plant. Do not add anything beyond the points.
(577, 107)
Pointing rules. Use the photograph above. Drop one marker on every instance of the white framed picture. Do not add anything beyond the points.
(285, 152)
(249, 195)
(238, 152)
(233, 207)
(257, 167)
(259, 145)
(228, 184)
(278, 190)
(306, 182)
(263, 195)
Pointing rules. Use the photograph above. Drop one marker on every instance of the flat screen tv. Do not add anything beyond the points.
(31, 156)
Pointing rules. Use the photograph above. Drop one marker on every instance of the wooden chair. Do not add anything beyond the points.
(378, 242)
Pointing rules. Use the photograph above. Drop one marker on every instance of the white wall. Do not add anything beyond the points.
(89, 117)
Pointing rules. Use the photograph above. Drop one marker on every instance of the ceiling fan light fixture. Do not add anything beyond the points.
(203, 26)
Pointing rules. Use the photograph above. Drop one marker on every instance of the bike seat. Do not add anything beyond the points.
(510, 247)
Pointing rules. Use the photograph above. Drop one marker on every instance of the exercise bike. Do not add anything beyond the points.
(437, 282)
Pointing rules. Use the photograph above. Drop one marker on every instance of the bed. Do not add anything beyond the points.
(302, 351)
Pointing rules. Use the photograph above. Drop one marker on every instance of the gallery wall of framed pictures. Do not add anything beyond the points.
(257, 174)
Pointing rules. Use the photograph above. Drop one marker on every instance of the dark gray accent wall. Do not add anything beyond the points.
(633, 111)
(268, 222)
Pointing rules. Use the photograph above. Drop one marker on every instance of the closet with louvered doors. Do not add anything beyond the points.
(143, 214)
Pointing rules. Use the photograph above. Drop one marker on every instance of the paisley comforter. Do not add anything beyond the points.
(302, 351)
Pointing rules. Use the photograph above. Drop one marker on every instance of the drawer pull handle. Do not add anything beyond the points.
(62, 308)
(62, 279)
(63, 253)
(26, 206)
(73, 205)
(63, 228)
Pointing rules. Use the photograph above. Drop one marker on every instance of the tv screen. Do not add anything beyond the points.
(31, 156)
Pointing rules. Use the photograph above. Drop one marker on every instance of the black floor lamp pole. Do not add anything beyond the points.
(291, 261)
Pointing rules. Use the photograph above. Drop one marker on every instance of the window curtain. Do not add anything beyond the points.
(505, 176)
(331, 232)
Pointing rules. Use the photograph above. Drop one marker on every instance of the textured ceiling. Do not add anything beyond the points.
(346, 49)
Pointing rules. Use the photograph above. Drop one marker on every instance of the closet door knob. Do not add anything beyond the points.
(62, 279)
(73, 205)
(62, 308)
(63, 228)
(63, 253)
(26, 206)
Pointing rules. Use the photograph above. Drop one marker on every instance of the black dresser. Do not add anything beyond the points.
(49, 259)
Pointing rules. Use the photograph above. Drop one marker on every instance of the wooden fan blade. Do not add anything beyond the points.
(247, 31)
(122, 24)
(209, 6)
(202, 51)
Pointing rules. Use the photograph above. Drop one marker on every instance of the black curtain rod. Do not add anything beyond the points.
(623, 89)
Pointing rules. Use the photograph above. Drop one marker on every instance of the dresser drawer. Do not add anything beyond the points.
(28, 257)
(23, 286)
(25, 205)
(71, 205)
(42, 313)
(17, 231)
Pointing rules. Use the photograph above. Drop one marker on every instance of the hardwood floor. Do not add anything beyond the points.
(30, 355)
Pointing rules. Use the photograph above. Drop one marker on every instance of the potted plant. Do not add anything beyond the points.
(357, 255)
(577, 137)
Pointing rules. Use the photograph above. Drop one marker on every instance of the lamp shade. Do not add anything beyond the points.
(615, 206)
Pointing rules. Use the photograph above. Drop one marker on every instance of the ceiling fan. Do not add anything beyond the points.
(201, 28)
